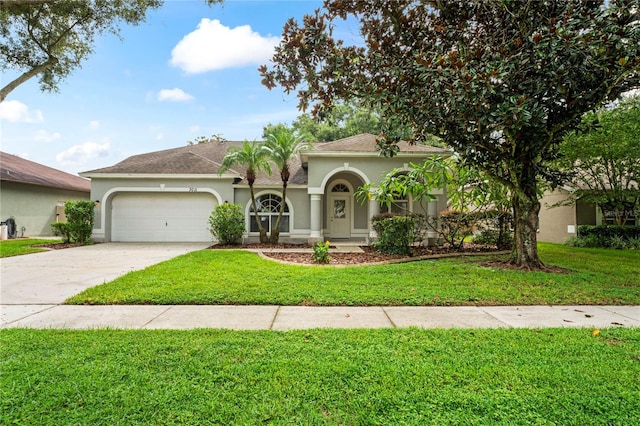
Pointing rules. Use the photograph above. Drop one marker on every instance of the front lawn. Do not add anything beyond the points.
(597, 276)
(401, 376)
(21, 246)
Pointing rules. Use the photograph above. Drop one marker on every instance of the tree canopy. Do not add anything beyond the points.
(605, 160)
(51, 38)
(500, 81)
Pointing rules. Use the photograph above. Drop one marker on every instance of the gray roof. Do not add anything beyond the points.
(16, 169)
(206, 159)
(367, 142)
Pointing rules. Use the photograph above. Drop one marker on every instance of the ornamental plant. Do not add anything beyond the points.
(321, 252)
(227, 223)
(80, 216)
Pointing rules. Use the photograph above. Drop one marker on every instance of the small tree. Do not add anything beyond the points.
(471, 197)
(254, 158)
(604, 160)
(80, 220)
(282, 146)
(227, 223)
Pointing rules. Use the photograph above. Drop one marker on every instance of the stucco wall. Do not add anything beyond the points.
(33, 207)
(556, 224)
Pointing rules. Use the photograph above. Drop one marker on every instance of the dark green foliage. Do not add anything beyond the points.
(609, 231)
(607, 236)
(80, 220)
(227, 223)
(61, 229)
(395, 233)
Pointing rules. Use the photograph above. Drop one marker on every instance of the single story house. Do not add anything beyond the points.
(34, 195)
(168, 195)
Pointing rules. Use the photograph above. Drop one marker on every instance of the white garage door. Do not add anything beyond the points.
(166, 217)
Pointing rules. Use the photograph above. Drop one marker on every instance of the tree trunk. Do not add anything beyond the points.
(525, 218)
(264, 238)
(275, 231)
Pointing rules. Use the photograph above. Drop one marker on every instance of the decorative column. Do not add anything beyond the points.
(316, 218)
(374, 209)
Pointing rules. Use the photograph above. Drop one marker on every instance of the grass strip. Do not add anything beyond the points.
(389, 376)
(597, 276)
(21, 246)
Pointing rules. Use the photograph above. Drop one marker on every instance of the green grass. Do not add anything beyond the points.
(22, 246)
(597, 276)
(401, 376)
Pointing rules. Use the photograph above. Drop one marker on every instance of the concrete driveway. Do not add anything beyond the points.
(53, 276)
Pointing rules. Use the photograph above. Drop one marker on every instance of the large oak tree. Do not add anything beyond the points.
(500, 81)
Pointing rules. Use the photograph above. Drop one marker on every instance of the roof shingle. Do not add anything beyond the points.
(16, 169)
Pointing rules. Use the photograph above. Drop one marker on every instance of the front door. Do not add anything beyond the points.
(339, 216)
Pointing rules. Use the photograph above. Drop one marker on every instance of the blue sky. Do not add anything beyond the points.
(190, 70)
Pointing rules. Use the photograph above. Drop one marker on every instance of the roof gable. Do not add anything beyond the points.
(16, 169)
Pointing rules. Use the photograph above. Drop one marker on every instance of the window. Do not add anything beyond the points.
(340, 187)
(398, 206)
(268, 208)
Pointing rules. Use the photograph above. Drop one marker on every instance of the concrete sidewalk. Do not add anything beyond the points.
(307, 317)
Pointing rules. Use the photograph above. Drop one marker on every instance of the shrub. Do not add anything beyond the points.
(606, 236)
(395, 233)
(321, 252)
(227, 223)
(609, 231)
(61, 229)
(503, 240)
(79, 220)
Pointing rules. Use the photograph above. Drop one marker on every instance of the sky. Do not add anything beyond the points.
(190, 70)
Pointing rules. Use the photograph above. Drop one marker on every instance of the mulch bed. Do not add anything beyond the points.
(370, 254)
(57, 246)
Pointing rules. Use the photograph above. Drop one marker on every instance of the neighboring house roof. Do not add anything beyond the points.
(206, 159)
(16, 169)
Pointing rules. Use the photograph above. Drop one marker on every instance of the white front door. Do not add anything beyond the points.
(340, 216)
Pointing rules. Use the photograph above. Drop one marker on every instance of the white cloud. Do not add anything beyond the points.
(16, 111)
(173, 95)
(80, 154)
(94, 124)
(194, 129)
(46, 137)
(212, 46)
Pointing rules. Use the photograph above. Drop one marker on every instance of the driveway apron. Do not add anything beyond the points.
(53, 276)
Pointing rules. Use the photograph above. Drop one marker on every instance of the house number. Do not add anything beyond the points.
(193, 189)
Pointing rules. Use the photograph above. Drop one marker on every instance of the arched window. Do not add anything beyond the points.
(268, 208)
(340, 187)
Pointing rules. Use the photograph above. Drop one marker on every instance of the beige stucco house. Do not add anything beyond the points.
(168, 195)
(34, 195)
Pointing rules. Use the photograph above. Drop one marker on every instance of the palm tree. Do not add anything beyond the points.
(282, 146)
(255, 158)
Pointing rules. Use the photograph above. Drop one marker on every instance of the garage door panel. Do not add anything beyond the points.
(172, 217)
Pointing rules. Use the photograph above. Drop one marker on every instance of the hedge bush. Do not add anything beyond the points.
(79, 220)
(395, 233)
(609, 231)
(227, 223)
(607, 236)
(61, 229)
